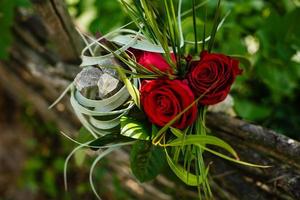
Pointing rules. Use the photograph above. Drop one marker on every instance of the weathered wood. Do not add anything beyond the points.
(19, 91)
(60, 28)
(284, 173)
(268, 141)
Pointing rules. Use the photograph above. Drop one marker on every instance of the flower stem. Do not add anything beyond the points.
(195, 27)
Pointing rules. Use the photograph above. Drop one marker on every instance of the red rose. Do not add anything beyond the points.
(163, 99)
(152, 60)
(213, 76)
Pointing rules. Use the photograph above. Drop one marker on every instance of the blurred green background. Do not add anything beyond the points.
(268, 93)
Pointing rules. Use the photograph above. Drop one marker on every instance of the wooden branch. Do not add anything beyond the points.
(60, 28)
(262, 146)
(265, 140)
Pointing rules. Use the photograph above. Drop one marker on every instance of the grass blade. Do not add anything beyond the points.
(215, 26)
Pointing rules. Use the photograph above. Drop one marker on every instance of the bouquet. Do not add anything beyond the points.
(149, 87)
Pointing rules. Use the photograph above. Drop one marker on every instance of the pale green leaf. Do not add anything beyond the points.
(131, 127)
(178, 133)
(132, 89)
(243, 60)
(187, 177)
(232, 159)
(79, 157)
(202, 140)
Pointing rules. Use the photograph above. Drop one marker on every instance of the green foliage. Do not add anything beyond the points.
(7, 8)
(187, 177)
(98, 16)
(132, 89)
(247, 109)
(41, 169)
(280, 40)
(268, 34)
(130, 127)
(146, 160)
(202, 140)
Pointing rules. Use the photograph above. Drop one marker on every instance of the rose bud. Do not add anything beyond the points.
(163, 99)
(152, 60)
(212, 77)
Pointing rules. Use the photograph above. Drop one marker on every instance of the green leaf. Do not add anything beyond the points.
(131, 127)
(195, 27)
(84, 135)
(215, 27)
(79, 157)
(231, 159)
(7, 13)
(133, 91)
(187, 177)
(154, 131)
(178, 133)
(202, 140)
(146, 160)
(252, 111)
(108, 139)
(243, 60)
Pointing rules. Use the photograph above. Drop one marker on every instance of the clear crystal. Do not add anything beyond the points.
(106, 85)
(106, 65)
(86, 81)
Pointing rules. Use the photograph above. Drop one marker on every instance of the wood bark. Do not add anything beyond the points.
(38, 75)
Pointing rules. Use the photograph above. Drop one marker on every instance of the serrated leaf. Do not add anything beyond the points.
(146, 160)
(131, 127)
(109, 139)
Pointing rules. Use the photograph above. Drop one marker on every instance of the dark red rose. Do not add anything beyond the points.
(212, 77)
(152, 60)
(163, 99)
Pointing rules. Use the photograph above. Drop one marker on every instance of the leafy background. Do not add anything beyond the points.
(268, 93)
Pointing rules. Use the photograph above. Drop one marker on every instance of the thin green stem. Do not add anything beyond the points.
(195, 26)
(204, 29)
(215, 27)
